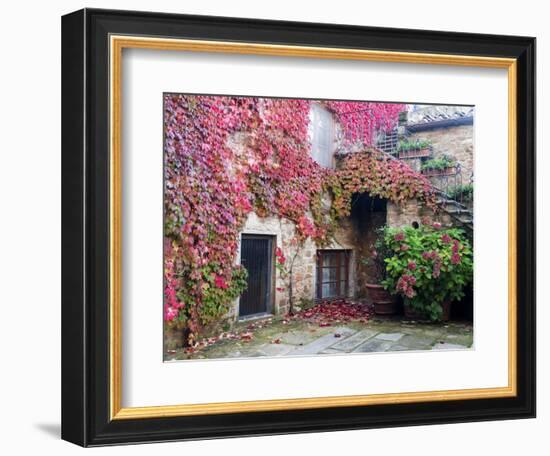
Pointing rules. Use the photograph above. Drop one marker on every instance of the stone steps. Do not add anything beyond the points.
(456, 210)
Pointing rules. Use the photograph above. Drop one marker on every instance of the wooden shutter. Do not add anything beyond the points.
(323, 136)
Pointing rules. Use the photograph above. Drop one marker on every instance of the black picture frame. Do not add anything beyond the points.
(85, 228)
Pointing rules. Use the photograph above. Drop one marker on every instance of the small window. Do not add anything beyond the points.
(322, 145)
(332, 273)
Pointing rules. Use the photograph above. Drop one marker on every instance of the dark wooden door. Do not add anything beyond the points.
(256, 257)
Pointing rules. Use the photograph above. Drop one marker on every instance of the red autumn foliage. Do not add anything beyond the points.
(211, 187)
(341, 311)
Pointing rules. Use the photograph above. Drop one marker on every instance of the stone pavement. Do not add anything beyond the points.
(304, 338)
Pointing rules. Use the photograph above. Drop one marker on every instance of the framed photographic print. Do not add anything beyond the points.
(278, 227)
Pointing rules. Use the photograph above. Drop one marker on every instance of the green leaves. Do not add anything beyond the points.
(462, 192)
(406, 145)
(442, 162)
(428, 266)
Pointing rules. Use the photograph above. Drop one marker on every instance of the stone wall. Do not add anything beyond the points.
(455, 141)
(305, 261)
(173, 338)
(366, 238)
(412, 211)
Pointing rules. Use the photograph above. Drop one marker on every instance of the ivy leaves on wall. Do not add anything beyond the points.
(228, 156)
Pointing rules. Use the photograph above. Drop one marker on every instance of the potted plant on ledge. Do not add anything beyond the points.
(440, 166)
(429, 267)
(384, 302)
(414, 148)
(462, 193)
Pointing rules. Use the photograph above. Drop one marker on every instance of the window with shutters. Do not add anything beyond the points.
(322, 147)
(332, 273)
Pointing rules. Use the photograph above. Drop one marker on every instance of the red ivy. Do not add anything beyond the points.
(228, 156)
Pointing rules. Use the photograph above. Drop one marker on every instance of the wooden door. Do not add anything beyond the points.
(257, 258)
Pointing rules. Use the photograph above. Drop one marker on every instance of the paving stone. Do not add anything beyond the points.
(393, 337)
(257, 354)
(433, 333)
(398, 347)
(235, 354)
(459, 339)
(416, 342)
(375, 336)
(373, 345)
(331, 351)
(449, 347)
(351, 342)
(274, 349)
(296, 337)
(323, 342)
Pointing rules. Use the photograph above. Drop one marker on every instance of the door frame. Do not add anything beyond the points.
(271, 279)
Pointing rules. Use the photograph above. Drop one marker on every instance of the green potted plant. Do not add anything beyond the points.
(440, 166)
(416, 148)
(462, 193)
(429, 267)
(384, 302)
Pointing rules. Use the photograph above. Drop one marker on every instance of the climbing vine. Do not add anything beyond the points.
(379, 175)
(360, 120)
(226, 157)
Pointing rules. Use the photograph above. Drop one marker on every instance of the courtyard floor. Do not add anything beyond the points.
(276, 337)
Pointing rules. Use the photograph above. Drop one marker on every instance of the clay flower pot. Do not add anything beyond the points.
(440, 172)
(412, 314)
(384, 302)
(415, 153)
(446, 315)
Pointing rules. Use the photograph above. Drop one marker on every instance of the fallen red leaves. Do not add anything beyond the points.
(245, 336)
(327, 313)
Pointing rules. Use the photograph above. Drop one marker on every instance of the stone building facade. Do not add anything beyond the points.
(455, 141)
(305, 262)
(356, 235)
(450, 130)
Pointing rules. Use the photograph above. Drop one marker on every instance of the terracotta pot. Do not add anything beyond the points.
(440, 172)
(384, 302)
(446, 315)
(415, 315)
(412, 314)
(385, 308)
(420, 153)
(377, 293)
(431, 172)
